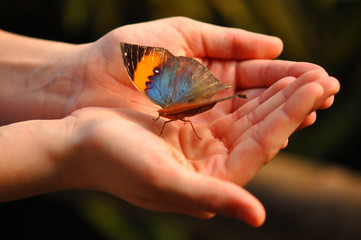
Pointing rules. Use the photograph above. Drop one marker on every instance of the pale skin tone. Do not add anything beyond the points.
(115, 150)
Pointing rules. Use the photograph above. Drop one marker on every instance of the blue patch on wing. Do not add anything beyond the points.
(160, 88)
(182, 80)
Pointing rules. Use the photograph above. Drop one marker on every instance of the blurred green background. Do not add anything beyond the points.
(325, 32)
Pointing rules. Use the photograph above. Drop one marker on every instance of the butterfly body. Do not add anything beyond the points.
(182, 111)
(182, 86)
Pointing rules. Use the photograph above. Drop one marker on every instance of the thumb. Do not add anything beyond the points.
(218, 196)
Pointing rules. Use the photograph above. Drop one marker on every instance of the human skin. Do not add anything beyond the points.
(72, 119)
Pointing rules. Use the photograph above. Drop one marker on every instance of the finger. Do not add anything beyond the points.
(328, 102)
(264, 73)
(168, 205)
(285, 144)
(221, 197)
(263, 141)
(261, 109)
(203, 197)
(330, 86)
(310, 119)
(220, 127)
(207, 40)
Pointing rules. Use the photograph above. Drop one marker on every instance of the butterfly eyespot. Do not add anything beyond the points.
(156, 70)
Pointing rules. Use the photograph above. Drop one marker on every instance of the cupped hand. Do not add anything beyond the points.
(234, 56)
(119, 152)
(116, 149)
(179, 172)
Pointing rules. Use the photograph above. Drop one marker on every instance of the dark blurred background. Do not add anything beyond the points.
(316, 185)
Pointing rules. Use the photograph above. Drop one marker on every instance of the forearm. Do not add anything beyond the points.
(31, 158)
(33, 84)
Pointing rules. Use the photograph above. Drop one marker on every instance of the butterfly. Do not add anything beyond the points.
(181, 86)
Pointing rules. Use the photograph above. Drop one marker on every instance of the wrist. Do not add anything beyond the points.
(33, 158)
(38, 76)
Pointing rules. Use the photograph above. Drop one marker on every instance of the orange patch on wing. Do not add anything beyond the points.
(145, 69)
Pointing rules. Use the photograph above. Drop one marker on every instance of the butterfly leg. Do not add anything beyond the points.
(154, 123)
(161, 131)
(194, 130)
(157, 117)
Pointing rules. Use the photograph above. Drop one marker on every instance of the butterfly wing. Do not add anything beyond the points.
(193, 82)
(168, 80)
(151, 70)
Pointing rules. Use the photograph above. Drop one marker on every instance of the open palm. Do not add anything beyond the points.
(177, 171)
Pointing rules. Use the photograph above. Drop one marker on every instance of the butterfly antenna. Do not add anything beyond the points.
(241, 96)
(230, 97)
